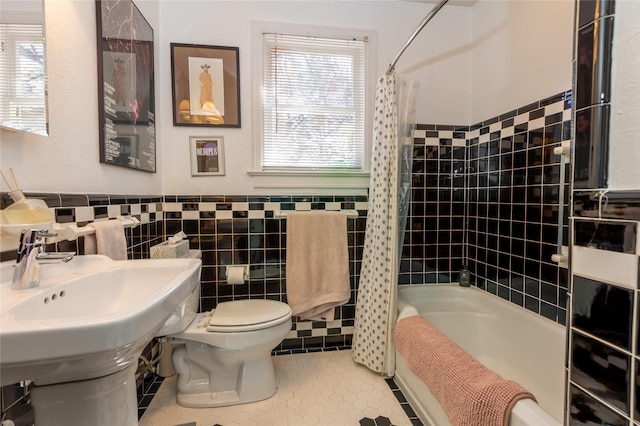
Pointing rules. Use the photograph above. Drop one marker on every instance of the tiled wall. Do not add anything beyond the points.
(433, 250)
(604, 351)
(80, 209)
(604, 346)
(491, 196)
(517, 207)
(243, 230)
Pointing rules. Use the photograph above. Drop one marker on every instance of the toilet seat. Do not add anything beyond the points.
(247, 315)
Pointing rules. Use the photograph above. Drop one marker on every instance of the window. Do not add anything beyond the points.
(22, 95)
(312, 106)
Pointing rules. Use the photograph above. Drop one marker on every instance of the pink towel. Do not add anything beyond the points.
(109, 240)
(317, 263)
(470, 393)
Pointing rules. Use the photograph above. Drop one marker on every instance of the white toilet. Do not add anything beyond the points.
(223, 357)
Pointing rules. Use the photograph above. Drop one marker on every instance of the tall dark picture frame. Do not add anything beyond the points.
(126, 98)
(205, 85)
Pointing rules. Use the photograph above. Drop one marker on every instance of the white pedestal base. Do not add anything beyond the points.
(106, 401)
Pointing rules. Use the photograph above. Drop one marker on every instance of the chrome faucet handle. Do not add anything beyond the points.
(31, 238)
(44, 233)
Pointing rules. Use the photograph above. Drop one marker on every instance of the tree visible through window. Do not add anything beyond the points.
(313, 103)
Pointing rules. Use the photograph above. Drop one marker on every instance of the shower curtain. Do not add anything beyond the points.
(389, 192)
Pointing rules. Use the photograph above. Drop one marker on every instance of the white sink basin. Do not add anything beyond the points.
(88, 318)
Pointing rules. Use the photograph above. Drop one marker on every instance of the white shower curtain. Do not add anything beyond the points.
(389, 192)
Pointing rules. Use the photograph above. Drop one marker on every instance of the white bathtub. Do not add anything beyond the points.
(517, 344)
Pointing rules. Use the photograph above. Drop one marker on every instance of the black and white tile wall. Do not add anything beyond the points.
(492, 197)
(434, 249)
(81, 209)
(604, 349)
(244, 230)
(517, 205)
(487, 196)
(228, 230)
(604, 345)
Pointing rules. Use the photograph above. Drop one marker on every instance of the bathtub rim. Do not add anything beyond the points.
(411, 385)
(478, 292)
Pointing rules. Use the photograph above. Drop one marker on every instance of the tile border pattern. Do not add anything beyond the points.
(520, 144)
(165, 215)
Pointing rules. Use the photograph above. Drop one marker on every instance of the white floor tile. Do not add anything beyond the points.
(320, 388)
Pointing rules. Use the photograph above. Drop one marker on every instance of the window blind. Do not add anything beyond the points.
(22, 77)
(313, 103)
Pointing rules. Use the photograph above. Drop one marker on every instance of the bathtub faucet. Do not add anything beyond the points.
(30, 254)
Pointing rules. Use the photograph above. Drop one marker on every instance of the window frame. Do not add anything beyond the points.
(292, 178)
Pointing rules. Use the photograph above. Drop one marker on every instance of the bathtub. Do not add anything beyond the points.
(517, 344)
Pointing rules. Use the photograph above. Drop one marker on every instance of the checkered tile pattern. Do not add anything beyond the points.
(493, 196)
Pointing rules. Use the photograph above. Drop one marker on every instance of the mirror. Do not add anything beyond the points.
(23, 77)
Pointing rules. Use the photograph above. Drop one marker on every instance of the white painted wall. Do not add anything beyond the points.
(461, 81)
(68, 160)
(439, 59)
(522, 52)
(508, 48)
(624, 138)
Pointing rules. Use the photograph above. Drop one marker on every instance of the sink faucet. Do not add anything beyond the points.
(30, 254)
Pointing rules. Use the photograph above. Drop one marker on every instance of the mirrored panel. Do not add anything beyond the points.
(23, 77)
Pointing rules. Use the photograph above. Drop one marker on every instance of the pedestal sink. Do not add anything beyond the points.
(79, 334)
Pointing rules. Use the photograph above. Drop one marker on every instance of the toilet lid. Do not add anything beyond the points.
(239, 315)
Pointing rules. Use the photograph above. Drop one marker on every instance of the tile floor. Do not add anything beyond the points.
(317, 388)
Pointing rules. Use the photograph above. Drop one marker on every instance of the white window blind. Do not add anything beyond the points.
(313, 103)
(22, 77)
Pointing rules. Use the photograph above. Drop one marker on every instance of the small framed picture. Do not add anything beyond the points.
(207, 155)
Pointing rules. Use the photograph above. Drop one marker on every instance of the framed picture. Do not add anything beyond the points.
(126, 101)
(206, 85)
(207, 155)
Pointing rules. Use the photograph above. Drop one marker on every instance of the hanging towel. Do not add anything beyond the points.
(470, 393)
(108, 239)
(317, 263)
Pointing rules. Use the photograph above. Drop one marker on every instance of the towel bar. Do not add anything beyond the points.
(282, 214)
(72, 232)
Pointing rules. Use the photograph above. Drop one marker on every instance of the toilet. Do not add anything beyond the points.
(223, 357)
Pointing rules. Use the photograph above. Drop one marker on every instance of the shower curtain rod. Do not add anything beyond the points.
(424, 22)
